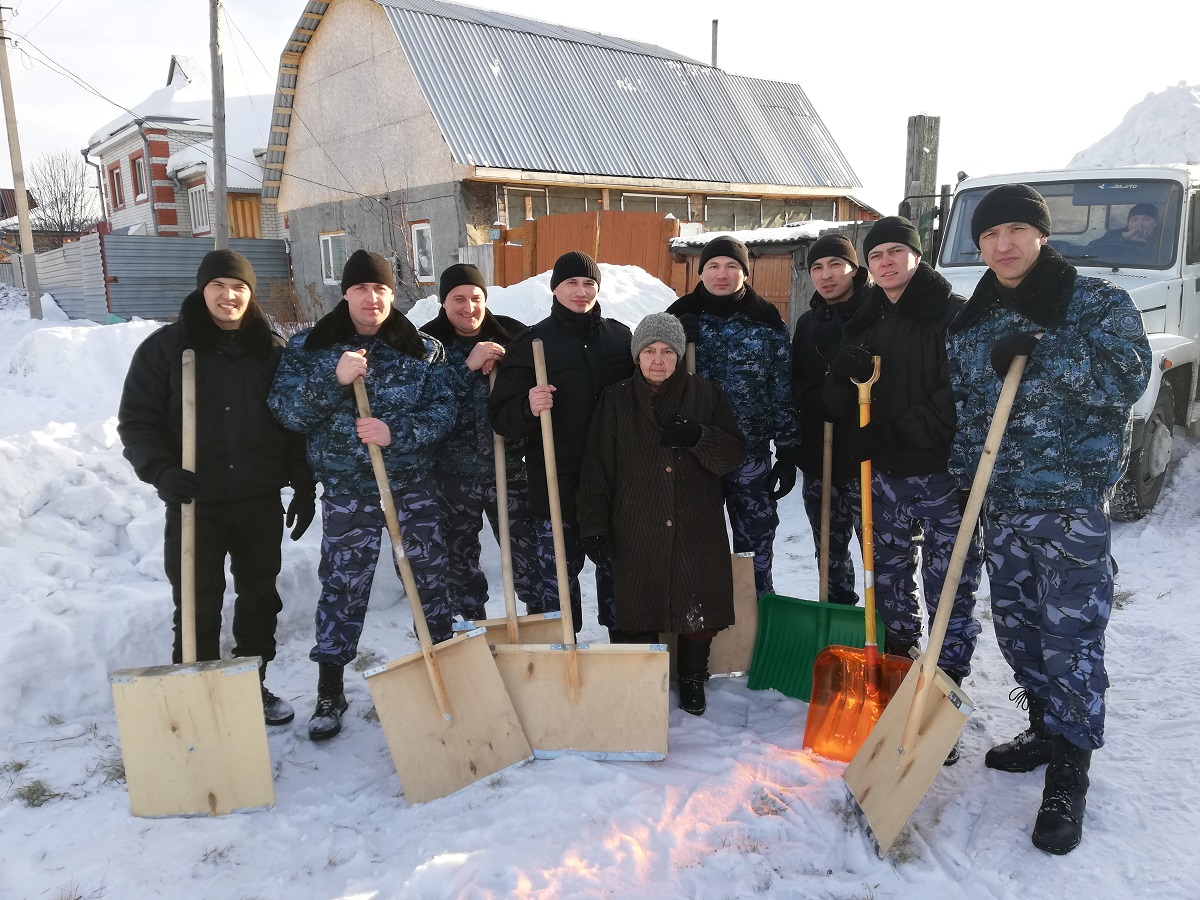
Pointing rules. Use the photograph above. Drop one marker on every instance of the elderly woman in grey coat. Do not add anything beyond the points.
(650, 498)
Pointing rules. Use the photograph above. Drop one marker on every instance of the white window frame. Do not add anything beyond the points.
(116, 189)
(422, 235)
(673, 198)
(198, 208)
(333, 256)
(139, 175)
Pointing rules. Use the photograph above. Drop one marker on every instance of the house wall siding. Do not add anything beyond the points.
(358, 102)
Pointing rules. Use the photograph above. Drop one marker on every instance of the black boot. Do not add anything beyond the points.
(276, 711)
(953, 756)
(692, 667)
(1059, 825)
(1029, 749)
(326, 719)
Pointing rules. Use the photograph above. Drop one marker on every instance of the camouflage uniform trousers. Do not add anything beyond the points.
(933, 502)
(606, 603)
(350, 546)
(1052, 594)
(463, 502)
(845, 518)
(752, 516)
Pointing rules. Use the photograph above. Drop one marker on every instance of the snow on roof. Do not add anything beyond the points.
(785, 234)
(187, 100)
(1162, 128)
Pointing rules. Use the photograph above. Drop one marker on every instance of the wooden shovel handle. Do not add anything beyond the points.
(689, 358)
(962, 544)
(187, 515)
(868, 521)
(406, 573)
(556, 524)
(826, 503)
(506, 567)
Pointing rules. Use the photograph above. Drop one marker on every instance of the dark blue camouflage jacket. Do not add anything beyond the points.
(469, 450)
(747, 351)
(1067, 440)
(408, 387)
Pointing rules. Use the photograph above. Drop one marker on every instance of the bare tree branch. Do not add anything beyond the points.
(67, 204)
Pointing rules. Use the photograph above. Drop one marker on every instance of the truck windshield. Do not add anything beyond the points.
(1126, 223)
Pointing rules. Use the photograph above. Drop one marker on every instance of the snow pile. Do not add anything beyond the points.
(1163, 128)
(801, 231)
(627, 294)
(737, 809)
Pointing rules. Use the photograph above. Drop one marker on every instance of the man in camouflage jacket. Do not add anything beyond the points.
(412, 408)
(742, 344)
(1045, 524)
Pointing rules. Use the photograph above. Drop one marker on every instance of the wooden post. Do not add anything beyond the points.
(28, 253)
(920, 174)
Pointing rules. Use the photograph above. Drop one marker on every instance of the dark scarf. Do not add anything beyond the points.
(498, 329)
(826, 311)
(337, 328)
(579, 324)
(925, 299)
(254, 336)
(1043, 295)
(660, 404)
(745, 301)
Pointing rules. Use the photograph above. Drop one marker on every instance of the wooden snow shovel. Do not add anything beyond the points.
(193, 738)
(733, 648)
(901, 757)
(536, 628)
(852, 686)
(444, 711)
(604, 702)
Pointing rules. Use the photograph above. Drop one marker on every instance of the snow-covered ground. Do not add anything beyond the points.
(737, 809)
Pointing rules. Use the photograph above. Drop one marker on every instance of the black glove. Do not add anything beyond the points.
(1003, 351)
(596, 547)
(179, 486)
(681, 433)
(783, 478)
(854, 363)
(827, 338)
(865, 443)
(301, 510)
(691, 326)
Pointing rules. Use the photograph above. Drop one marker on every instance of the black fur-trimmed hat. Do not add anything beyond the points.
(364, 267)
(458, 275)
(892, 230)
(574, 265)
(726, 246)
(224, 264)
(1010, 203)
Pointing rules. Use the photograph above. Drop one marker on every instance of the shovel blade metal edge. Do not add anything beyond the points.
(485, 736)
(889, 785)
(845, 705)
(621, 710)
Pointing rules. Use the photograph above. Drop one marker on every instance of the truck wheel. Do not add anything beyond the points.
(1136, 493)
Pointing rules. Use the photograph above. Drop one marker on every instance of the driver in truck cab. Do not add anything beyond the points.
(1045, 520)
(1135, 242)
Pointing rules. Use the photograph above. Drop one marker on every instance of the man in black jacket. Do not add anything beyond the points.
(841, 287)
(903, 321)
(243, 458)
(585, 353)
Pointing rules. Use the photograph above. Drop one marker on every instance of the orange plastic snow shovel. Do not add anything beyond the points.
(193, 739)
(901, 757)
(604, 702)
(851, 686)
(445, 713)
(536, 628)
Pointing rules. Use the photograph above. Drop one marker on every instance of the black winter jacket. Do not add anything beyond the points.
(912, 400)
(585, 353)
(241, 450)
(809, 369)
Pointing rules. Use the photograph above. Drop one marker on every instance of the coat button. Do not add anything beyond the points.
(668, 470)
(668, 523)
(227, 409)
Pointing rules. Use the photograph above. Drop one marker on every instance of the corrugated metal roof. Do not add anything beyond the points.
(510, 92)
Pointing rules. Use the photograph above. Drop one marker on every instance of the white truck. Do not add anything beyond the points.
(1090, 209)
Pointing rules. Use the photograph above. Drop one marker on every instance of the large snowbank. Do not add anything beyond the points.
(1163, 128)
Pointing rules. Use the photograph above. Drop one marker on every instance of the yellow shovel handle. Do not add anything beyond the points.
(868, 515)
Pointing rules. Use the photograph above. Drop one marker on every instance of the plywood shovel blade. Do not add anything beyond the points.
(889, 779)
(431, 759)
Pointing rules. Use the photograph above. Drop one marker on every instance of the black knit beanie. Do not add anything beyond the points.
(892, 230)
(832, 245)
(458, 275)
(726, 246)
(1144, 209)
(224, 264)
(1010, 203)
(574, 265)
(367, 268)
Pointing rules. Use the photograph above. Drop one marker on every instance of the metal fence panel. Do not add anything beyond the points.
(9, 275)
(60, 276)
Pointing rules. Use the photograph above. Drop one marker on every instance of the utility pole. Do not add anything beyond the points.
(28, 256)
(920, 173)
(220, 223)
(714, 43)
